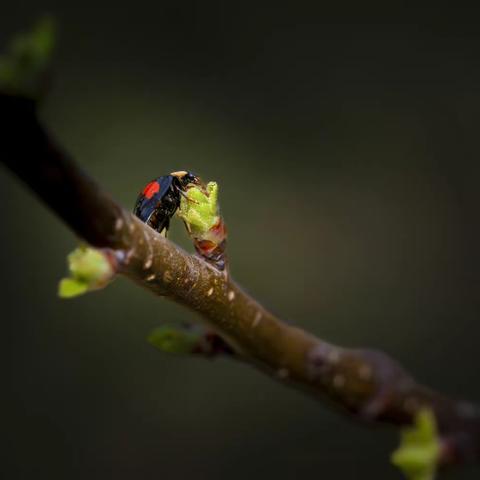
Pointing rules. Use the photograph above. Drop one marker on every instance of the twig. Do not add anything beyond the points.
(367, 384)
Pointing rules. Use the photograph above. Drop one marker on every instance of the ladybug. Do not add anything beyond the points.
(160, 199)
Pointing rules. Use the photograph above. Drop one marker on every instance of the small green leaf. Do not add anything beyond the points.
(69, 288)
(172, 339)
(89, 268)
(23, 67)
(200, 208)
(419, 450)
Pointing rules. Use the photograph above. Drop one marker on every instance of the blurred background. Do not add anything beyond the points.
(354, 136)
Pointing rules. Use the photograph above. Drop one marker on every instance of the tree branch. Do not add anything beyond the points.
(365, 383)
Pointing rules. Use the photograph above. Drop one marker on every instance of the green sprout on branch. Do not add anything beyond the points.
(173, 339)
(419, 450)
(90, 269)
(24, 66)
(199, 209)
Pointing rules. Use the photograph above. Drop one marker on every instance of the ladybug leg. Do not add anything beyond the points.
(183, 194)
(187, 226)
(162, 229)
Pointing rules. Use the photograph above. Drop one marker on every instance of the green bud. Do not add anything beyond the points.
(90, 269)
(23, 66)
(172, 339)
(200, 209)
(419, 451)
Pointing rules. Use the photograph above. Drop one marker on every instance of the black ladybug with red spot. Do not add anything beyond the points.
(160, 199)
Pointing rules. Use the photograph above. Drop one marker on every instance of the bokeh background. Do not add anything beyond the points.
(346, 145)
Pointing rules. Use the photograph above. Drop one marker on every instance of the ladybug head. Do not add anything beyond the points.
(185, 178)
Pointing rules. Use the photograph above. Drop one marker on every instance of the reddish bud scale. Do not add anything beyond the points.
(212, 245)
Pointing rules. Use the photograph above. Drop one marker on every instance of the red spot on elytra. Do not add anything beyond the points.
(151, 189)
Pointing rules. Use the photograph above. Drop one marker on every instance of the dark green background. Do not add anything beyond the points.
(346, 146)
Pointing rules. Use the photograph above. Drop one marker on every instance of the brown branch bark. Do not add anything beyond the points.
(365, 383)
